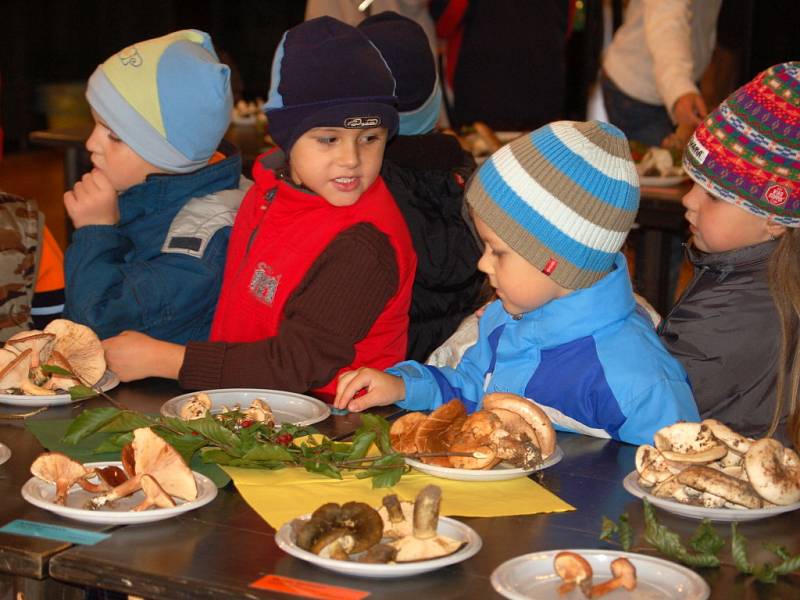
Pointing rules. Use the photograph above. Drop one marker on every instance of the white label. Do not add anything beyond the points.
(697, 150)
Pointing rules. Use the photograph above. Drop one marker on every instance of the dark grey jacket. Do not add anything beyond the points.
(726, 333)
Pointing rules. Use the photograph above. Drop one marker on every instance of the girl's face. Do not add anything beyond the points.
(719, 226)
(519, 285)
(115, 159)
(336, 163)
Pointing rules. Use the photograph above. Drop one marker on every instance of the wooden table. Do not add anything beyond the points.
(217, 550)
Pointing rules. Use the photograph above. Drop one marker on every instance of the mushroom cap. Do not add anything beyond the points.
(623, 569)
(483, 449)
(531, 412)
(40, 343)
(14, 368)
(773, 471)
(432, 434)
(57, 381)
(651, 465)
(60, 470)
(684, 437)
(80, 347)
(403, 431)
(514, 424)
(733, 440)
(719, 484)
(154, 456)
(195, 407)
(261, 412)
(572, 567)
(329, 522)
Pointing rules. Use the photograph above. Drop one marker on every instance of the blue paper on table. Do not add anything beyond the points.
(49, 531)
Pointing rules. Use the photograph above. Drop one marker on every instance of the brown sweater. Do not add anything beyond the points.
(334, 307)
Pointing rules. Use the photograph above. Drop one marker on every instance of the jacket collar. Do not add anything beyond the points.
(741, 259)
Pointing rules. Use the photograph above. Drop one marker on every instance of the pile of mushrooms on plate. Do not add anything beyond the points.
(708, 464)
(397, 532)
(507, 428)
(73, 347)
(149, 464)
(199, 406)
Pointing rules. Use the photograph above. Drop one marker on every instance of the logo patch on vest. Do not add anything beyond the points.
(551, 265)
(264, 284)
(697, 150)
(361, 122)
(777, 195)
(130, 57)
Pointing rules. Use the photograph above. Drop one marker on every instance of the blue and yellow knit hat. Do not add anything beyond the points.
(168, 98)
(563, 196)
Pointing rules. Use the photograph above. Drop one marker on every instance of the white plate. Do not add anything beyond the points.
(499, 473)
(659, 181)
(631, 484)
(287, 407)
(41, 494)
(449, 527)
(108, 381)
(5, 453)
(533, 576)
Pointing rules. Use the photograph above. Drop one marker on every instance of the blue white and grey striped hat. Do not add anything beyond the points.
(563, 196)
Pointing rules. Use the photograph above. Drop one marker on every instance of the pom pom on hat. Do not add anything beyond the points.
(563, 197)
(168, 98)
(326, 73)
(747, 151)
(403, 44)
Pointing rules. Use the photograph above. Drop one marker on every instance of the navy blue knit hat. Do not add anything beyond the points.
(328, 74)
(405, 47)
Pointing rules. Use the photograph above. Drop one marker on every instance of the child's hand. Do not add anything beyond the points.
(132, 355)
(93, 201)
(382, 389)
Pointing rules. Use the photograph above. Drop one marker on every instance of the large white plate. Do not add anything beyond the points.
(501, 472)
(533, 576)
(449, 527)
(659, 181)
(5, 453)
(108, 381)
(287, 407)
(631, 484)
(41, 494)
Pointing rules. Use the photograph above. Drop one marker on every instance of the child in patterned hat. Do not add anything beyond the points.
(553, 209)
(153, 216)
(736, 327)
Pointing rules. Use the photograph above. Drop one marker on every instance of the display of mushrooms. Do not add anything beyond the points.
(708, 464)
(150, 465)
(199, 406)
(73, 347)
(508, 428)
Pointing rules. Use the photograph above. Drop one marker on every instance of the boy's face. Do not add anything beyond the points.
(115, 159)
(336, 163)
(519, 285)
(719, 226)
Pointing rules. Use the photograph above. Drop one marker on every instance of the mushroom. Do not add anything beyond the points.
(335, 531)
(672, 488)
(425, 542)
(398, 517)
(522, 453)
(260, 411)
(773, 471)
(435, 432)
(380, 554)
(737, 443)
(63, 472)
(40, 343)
(651, 465)
(403, 430)
(57, 381)
(719, 484)
(531, 412)
(80, 347)
(624, 576)
(483, 453)
(14, 368)
(195, 407)
(154, 495)
(574, 570)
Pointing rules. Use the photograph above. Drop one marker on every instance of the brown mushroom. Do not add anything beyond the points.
(63, 472)
(624, 576)
(335, 531)
(261, 412)
(425, 543)
(380, 554)
(398, 517)
(574, 570)
(404, 430)
(433, 435)
(80, 347)
(531, 412)
(155, 496)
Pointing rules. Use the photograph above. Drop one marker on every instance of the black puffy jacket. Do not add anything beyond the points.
(426, 175)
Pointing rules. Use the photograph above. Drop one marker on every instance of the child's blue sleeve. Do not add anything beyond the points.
(665, 403)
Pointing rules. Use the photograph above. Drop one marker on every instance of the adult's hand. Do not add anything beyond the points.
(133, 355)
(689, 110)
(93, 201)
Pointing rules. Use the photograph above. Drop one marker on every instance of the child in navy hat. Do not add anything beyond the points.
(425, 170)
(320, 264)
(553, 209)
(152, 218)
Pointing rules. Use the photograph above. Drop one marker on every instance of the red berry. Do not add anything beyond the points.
(360, 393)
(195, 433)
(246, 423)
(284, 439)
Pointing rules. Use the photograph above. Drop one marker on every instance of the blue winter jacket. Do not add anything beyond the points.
(589, 359)
(122, 276)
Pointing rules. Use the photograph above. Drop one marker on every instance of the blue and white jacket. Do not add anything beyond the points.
(590, 360)
(159, 270)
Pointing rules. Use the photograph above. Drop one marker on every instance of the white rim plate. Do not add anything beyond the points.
(108, 381)
(532, 576)
(501, 472)
(41, 494)
(287, 407)
(659, 181)
(449, 527)
(631, 484)
(5, 453)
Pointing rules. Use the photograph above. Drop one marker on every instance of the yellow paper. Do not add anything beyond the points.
(280, 496)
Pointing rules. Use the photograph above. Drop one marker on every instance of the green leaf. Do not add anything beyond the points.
(780, 551)
(739, 551)
(323, 468)
(215, 455)
(114, 443)
(55, 370)
(766, 573)
(361, 445)
(125, 421)
(81, 392)
(210, 428)
(789, 565)
(387, 478)
(186, 445)
(89, 422)
(380, 427)
(268, 452)
(669, 543)
(608, 530)
(706, 540)
(625, 532)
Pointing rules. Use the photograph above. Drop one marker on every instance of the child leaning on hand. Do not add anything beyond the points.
(152, 218)
(553, 209)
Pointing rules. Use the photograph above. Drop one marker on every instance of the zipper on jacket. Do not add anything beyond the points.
(692, 284)
(268, 197)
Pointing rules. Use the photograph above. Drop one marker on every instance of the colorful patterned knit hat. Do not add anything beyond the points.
(563, 197)
(747, 151)
(168, 98)
(326, 73)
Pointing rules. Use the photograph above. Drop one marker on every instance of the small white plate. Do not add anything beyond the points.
(449, 527)
(108, 381)
(5, 453)
(631, 484)
(533, 576)
(501, 472)
(41, 494)
(287, 407)
(659, 181)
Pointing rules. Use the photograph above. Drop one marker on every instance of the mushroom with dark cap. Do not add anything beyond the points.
(335, 531)
(574, 570)
(425, 542)
(398, 517)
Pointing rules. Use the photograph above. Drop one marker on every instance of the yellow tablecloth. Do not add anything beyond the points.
(280, 496)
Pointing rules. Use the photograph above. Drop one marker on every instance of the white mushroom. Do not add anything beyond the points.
(734, 441)
(425, 542)
(40, 343)
(14, 368)
(261, 412)
(63, 472)
(155, 496)
(774, 471)
(715, 482)
(81, 349)
(195, 407)
(651, 465)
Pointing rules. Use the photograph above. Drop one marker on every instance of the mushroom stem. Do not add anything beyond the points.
(426, 512)
(624, 576)
(393, 508)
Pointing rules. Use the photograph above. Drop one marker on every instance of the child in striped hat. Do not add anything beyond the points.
(744, 215)
(553, 209)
